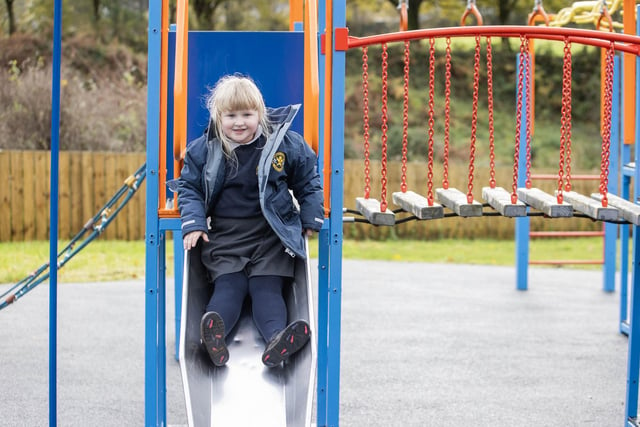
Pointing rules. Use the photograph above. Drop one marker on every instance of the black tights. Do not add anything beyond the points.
(267, 302)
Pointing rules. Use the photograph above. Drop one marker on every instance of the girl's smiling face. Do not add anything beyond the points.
(240, 125)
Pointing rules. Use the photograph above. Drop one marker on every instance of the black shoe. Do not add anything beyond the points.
(212, 334)
(286, 342)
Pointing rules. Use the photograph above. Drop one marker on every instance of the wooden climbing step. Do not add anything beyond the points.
(629, 210)
(370, 209)
(590, 207)
(545, 203)
(456, 200)
(500, 200)
(418, 205)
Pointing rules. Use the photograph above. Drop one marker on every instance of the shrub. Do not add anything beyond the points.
(95, 115)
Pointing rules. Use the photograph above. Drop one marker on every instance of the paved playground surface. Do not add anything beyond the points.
(422, 345)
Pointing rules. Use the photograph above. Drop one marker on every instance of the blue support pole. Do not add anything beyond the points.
(155, 370)
(631, 406)
(174, 225)
(522, 223)
(624, 248)
(627, 173)
(624, 260)
(178, 277)
(162, 321)
(611, 230)
(625, 154)
(53, 212)
(323, 322)
(335, 219)
(323, 246)
(633, 355)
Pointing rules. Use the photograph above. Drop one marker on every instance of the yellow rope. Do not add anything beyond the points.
(586, 12)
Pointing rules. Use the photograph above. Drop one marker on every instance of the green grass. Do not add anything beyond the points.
(118, 260)
(101, 260)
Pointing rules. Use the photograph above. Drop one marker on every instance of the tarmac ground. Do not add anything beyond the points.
(422, 345)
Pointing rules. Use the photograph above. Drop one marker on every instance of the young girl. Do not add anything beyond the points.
(234, 196)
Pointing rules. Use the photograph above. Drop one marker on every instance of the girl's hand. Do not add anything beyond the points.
(190, 240)
(307, 232)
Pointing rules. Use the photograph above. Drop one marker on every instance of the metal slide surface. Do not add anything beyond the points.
(244, 392)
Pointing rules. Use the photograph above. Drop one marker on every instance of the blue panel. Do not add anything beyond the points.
(274, 60)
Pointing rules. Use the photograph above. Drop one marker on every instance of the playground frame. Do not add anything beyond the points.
(335, 41)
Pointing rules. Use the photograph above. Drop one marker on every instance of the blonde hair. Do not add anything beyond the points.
(232, 93)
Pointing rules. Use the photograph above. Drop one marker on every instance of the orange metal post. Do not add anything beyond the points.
(328, 49)
(311, 85)
(180, 83)
(180, 101)
(295, 13)
(162, 149)
(629, 66)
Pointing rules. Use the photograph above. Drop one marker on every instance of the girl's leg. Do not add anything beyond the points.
(228, 296)
(268, 305)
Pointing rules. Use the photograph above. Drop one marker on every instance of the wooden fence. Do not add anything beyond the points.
(88, 180)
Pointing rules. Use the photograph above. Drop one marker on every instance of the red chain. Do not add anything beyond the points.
(567, 79)
(447, 111)
(383, 171)
(492, 155)
(565, 121)
(606, 128)
(527, 70)
(432, 65)
(365, 126)
(516, 151)
(405, 117)
(474, 119)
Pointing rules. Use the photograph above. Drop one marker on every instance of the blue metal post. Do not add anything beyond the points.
(174, 224)
(631, 406)
(625, 155)
(522, 223)
(323, 245)
(323, 323)
(335, 220)
(611, 230)
(624, 247)
(178, 277)
(161, 325)
(624, 254)
(633, 355)
(154, 394)
(53, 212)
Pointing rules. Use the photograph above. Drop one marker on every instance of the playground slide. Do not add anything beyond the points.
(244, 392)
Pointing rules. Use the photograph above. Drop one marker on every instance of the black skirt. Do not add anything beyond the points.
(245, 244)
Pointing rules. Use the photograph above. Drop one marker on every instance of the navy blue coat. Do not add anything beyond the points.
(286, 163)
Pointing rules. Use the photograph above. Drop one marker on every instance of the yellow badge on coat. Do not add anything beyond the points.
(278, 161)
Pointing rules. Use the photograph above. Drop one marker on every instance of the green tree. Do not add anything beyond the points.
(253, 15)
(11, 19)
(204, 11)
